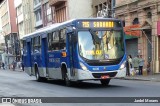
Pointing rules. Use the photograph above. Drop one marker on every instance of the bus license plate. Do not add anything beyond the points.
(105, 77)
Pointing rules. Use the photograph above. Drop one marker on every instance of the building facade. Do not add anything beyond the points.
(24, 17)
(140, 19)
(64, 10)
(9, 27)
(37, 9)
(46, 13)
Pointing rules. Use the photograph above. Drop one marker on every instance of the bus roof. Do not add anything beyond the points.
(50, 27)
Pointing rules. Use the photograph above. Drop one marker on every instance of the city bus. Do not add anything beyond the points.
(76, 50)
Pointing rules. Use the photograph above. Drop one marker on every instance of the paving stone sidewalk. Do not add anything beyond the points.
(154, 77)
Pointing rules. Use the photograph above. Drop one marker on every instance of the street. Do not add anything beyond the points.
(19, 84)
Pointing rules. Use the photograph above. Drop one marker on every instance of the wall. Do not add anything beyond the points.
(12, 13)
(1, 36)
(79, 9)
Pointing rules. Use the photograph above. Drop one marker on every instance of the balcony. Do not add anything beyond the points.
(56, 2)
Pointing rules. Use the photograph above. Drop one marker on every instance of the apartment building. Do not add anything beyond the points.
(9, 27)
(69, 9)
(24, 16)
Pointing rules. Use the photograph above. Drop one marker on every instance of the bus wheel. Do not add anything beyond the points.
(38, 78)
(67, 81)
(105, 82)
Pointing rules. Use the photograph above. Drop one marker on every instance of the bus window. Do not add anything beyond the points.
(50, 38)
(63, 39)
(36, 45)
(55, 41)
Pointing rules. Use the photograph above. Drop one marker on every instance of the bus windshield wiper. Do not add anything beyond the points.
(95, 37)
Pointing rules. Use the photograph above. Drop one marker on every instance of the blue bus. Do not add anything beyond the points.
(76, 50)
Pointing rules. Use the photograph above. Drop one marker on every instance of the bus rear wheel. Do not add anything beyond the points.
(38, 78)
(105, 82)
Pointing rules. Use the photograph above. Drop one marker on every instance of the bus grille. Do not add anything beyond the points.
(98, 75)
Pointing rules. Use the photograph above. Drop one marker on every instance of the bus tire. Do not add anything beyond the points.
(65, 76)
(38, 78)
(105, 82)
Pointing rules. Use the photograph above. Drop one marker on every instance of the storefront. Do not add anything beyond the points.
(131, 38)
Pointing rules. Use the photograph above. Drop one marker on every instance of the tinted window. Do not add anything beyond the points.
(63, 39)
(36, 44)
(53, 41)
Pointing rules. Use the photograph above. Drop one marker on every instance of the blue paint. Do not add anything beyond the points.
(53, 59)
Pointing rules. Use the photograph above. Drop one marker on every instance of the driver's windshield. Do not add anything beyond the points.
(101, 45)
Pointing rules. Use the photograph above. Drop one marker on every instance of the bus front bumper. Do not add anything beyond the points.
(88, 75)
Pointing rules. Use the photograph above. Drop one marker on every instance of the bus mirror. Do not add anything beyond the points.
(70, 30)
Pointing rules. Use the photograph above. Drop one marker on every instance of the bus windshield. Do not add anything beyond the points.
(101, 45)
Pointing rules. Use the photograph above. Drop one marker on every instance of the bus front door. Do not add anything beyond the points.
(71, 55)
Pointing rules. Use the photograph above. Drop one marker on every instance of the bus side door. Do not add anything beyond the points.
(44, 56)
(27, 60)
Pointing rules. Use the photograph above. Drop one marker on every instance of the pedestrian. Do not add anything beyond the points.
(3, 65)
(135, 62)
(14, 65)
(141, 64)
(128, 65)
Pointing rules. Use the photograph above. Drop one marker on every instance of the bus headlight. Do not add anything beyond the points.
(83, 66)
(123, 65)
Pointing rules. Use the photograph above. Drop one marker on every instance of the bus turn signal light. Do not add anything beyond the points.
(64, 54)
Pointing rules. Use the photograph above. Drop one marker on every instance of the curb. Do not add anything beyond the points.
(138, 79)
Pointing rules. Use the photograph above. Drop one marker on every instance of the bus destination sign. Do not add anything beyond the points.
(96, 24)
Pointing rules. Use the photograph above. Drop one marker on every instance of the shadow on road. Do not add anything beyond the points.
(81, 85)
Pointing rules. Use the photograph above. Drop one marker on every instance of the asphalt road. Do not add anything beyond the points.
(19, 84)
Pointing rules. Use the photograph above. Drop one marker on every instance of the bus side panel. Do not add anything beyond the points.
(43, 59)
(54, 65)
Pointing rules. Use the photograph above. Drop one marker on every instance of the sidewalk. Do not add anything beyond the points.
(154, 78)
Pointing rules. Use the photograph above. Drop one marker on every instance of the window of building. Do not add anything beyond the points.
(96, 7)
(104, 5)
(113, 3)
(19, 10)
(38, 15)
(47, 13)
(135, 21)
(20, 26)
(149, 15)
(100, 7)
